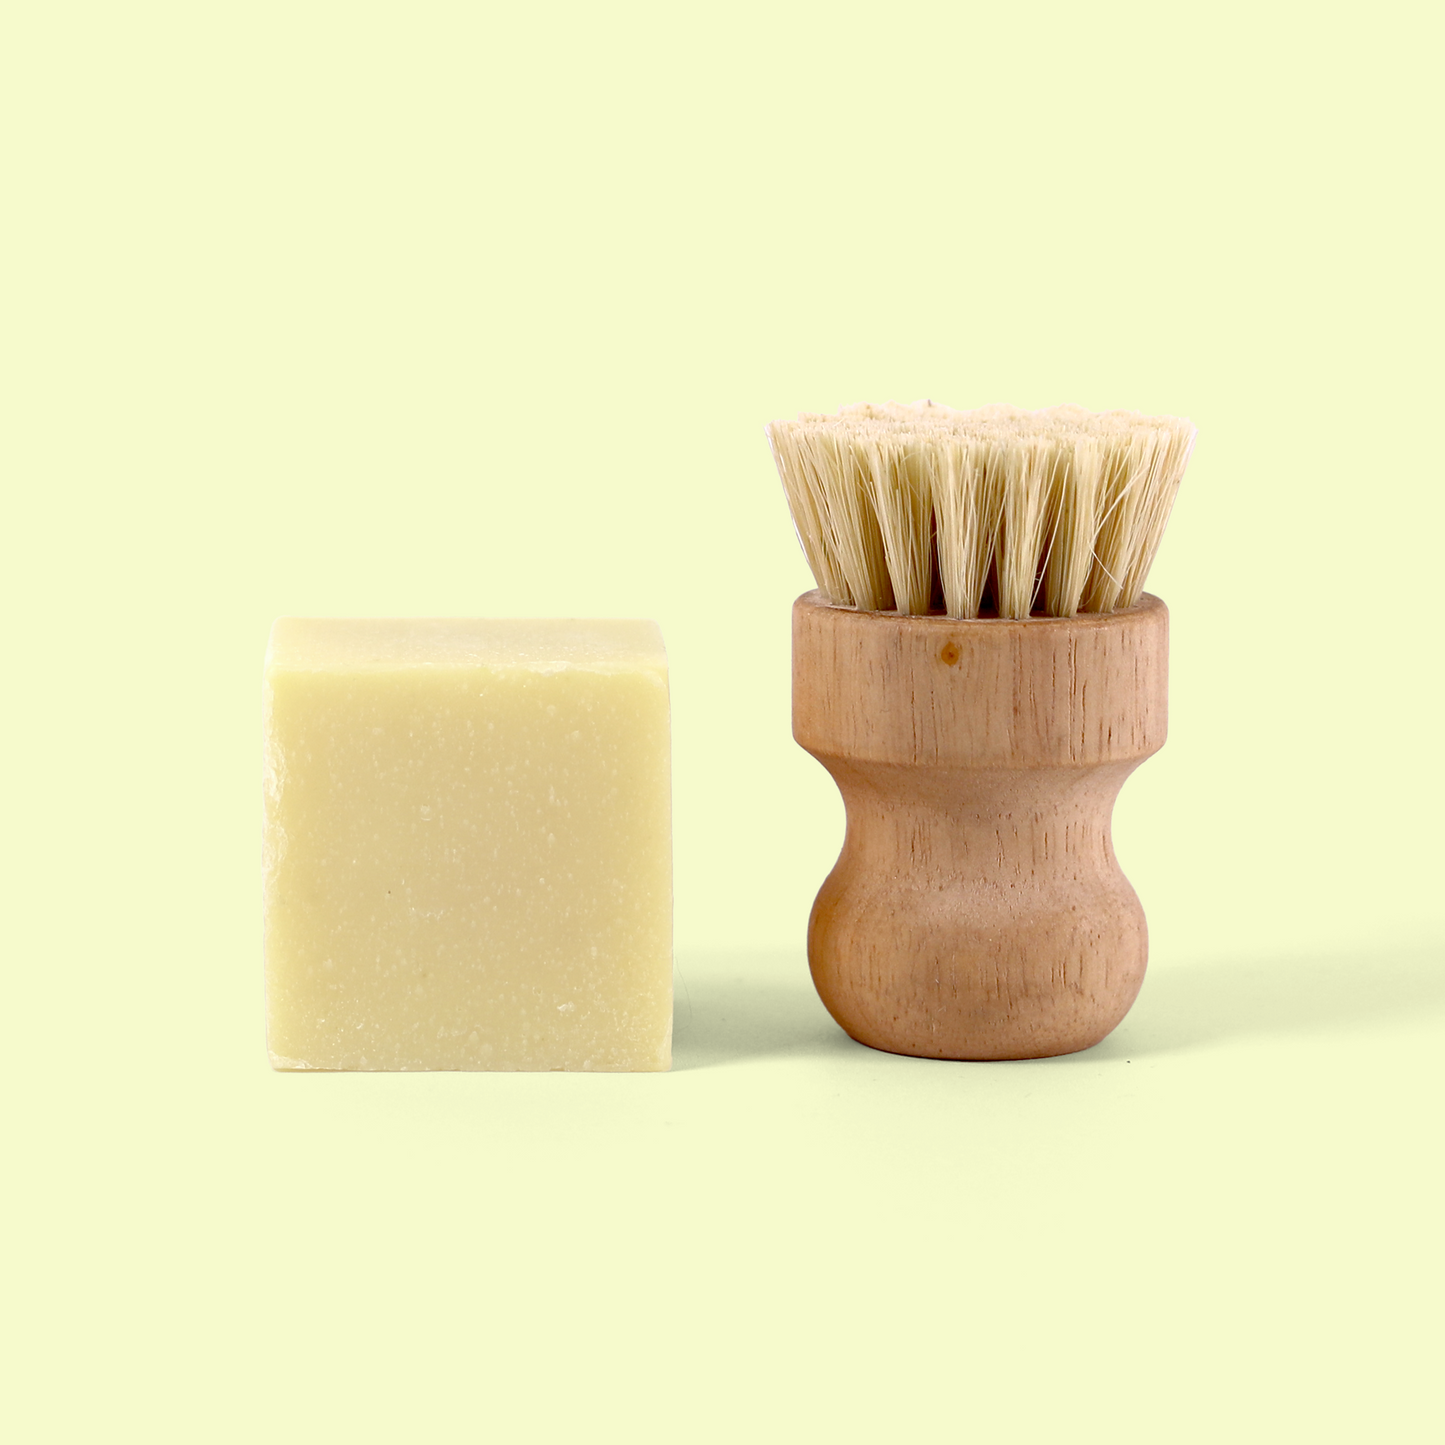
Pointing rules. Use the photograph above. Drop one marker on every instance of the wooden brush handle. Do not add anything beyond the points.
(977, 910)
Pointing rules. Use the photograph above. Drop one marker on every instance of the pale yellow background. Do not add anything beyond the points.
(470, 309)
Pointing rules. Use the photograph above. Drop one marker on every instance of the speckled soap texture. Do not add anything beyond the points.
(468, 845)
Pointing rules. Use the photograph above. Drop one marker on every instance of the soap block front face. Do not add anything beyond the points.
(468, 852)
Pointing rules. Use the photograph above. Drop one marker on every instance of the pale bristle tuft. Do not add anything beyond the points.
(997, 511)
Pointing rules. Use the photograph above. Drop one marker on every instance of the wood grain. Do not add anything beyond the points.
(977, 910)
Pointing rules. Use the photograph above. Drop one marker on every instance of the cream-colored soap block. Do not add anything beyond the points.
(468, 847)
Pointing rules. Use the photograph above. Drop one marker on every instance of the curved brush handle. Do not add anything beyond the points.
(977, 910)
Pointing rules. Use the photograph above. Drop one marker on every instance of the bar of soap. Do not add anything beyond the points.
(468, 845)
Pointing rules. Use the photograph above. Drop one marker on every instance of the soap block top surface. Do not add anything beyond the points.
(360, 644)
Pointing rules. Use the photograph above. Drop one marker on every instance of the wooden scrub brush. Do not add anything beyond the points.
(979, 669)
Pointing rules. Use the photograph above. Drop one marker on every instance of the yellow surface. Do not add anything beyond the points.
(467, 310)
(468, 847)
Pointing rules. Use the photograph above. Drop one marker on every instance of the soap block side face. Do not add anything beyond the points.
(467, 861)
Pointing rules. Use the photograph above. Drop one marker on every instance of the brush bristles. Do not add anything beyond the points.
(994, 511)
